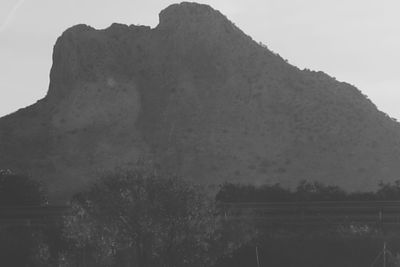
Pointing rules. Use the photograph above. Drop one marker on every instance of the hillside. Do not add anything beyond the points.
(200, 98)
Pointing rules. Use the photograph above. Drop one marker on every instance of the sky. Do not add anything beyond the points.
(357, 41)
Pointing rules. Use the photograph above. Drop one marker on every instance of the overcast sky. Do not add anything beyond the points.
(357, 41)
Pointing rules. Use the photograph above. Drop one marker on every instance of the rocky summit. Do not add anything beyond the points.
(199, 98)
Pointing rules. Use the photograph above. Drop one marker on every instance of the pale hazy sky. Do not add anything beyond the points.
(357, 41)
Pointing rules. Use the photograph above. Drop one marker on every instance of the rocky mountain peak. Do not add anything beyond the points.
(192, 20)
(187, 13)
(200, 98)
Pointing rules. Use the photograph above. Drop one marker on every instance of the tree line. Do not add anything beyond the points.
(305, 191)
(144, 218)
(127, 218)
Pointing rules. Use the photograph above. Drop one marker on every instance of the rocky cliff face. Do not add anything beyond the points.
(201, 98)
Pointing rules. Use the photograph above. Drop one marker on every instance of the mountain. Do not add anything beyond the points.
(200, 98)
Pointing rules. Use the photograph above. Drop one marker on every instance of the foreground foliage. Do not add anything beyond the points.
(138, 218)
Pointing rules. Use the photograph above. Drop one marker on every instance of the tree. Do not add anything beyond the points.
(230, 192)
(138, 218)
(20, 243)
(316, 191)
(388, 191)
(19, 190)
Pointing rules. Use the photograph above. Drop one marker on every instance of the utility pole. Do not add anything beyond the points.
(258, 260)
(384, 254)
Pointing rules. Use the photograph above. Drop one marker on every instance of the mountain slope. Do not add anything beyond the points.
(200, 98)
